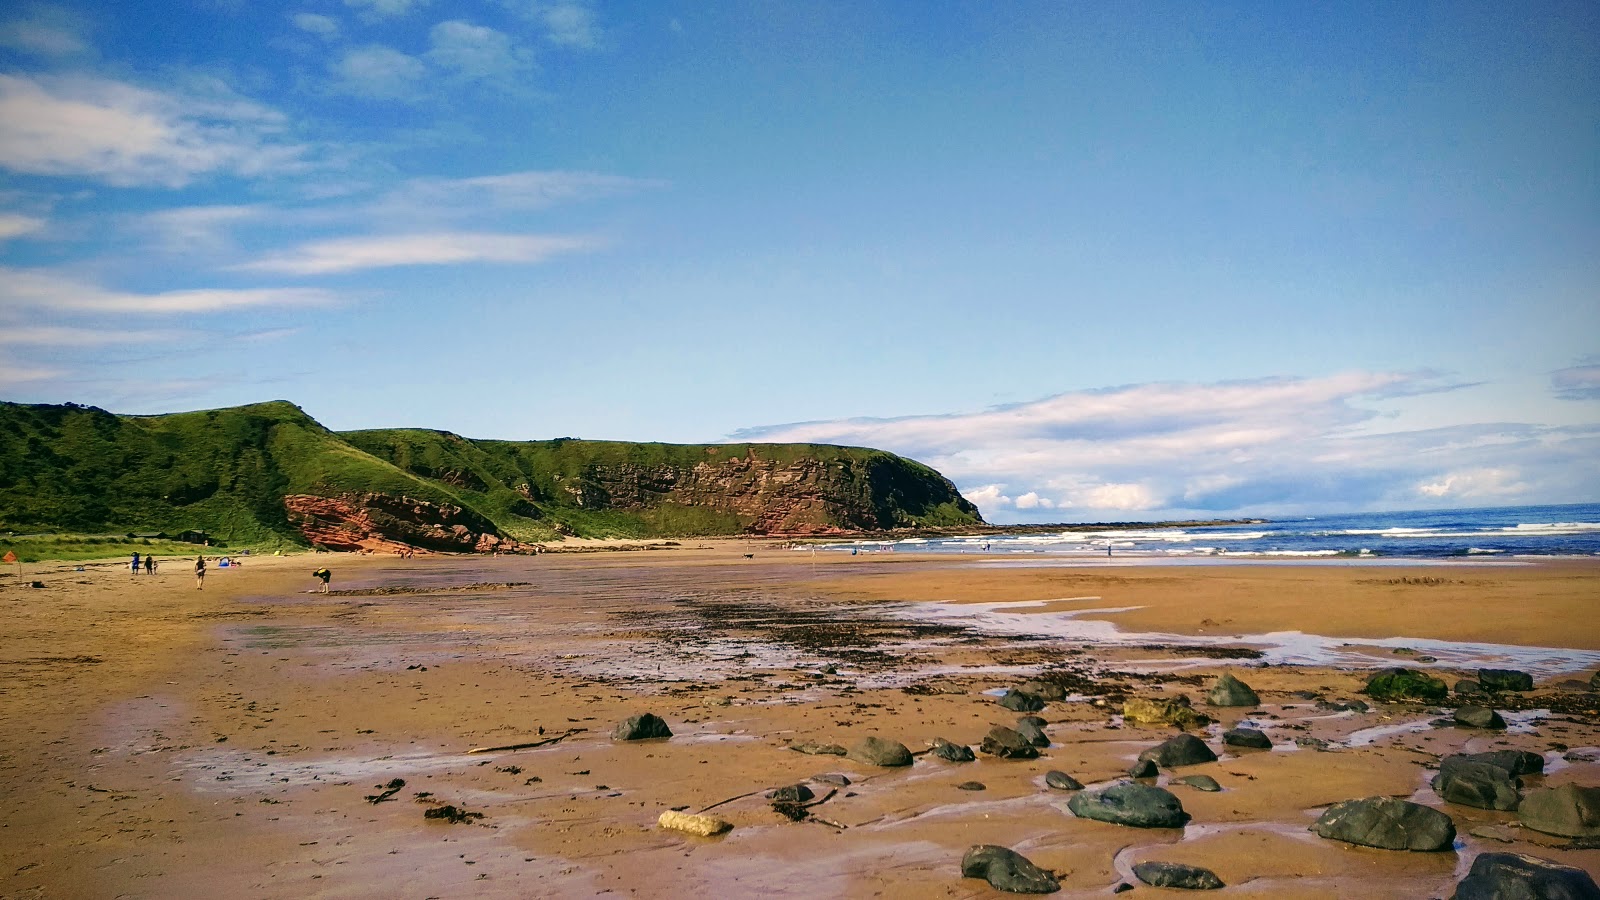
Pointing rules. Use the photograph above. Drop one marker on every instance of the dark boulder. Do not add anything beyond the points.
(1044, 690)
(1143, 768)
(1177, 875)
(876, 751)
(1007, 744)
(957, 753)
(1594, 681)
(1247, 737)
(1179, 750)
(1515, 762)
(1569, 811)
(1007, 870)
(1128, 803)
(1513, 876)
(1230, 691)
(971, 786)
(1495, 680)
(812, 748)
(1021, 701)
(642, 727)
(794, 793)
(1032, 729)
(1200, 783)
(1405, 684)
(1479, 717)
(1468, 686)
(1460, 780)
(1061, 781)
(1343, 705)
(1388, 824)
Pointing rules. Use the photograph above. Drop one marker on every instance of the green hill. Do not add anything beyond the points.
(269, 475)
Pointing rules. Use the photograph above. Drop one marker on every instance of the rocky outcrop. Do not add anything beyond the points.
(384, 522)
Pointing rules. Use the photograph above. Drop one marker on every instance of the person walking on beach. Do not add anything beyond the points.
(149, 564)
(135, 562)
(324, 574)
(200, 572)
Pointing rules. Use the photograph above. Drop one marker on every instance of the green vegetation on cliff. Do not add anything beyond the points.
(227, 473)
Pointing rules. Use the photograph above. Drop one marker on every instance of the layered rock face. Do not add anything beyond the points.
(803, 497)
(372, 521)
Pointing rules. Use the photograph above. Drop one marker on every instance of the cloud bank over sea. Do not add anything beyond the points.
(1273, 446)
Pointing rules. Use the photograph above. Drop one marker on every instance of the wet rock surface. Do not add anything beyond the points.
(1007, 870)
(1460, 780)
(1251, 738)
(1496, 680)
(1387, 824)
(1402, 684)
(643, 727)
(1180, 750)
(1006, 743)
(1021, 701)
(1061, 781)
(1032, 730)
(1230, 691)
(1479, 717)
(1135, 805)
(950, 752)
(1514, 876)
(1177, 875)
(876, 751)
(1569, 811)
(1176, 711)
(1199, 782)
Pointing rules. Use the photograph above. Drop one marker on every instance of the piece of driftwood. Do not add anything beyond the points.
(531, 744)
(738, 797)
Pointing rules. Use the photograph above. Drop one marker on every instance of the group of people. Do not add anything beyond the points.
(149, 564)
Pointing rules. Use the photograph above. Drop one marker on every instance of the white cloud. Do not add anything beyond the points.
(12, 374)
(1475, 484)
(566, 23)
(436, 248)
(1265, 447)
(512, 191)
(378, 72)
(197, 229)
(13, 225)
(45, 30)
(125, 135)
(31, 289)
(314, 23)
(475, 52)
(58, 336)
(384, 9)
(1577, 383)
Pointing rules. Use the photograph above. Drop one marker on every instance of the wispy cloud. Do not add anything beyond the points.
(378, 72)
(31, 289)
(511, 191)
(476, 53)
(12, 374)
(13, 225)
(1577, 382)
(436, 248)
(197, 229)
(565, 23)
(1272, 446)
(386, 9)
(125, 135)
(58, 336)
(326, 27)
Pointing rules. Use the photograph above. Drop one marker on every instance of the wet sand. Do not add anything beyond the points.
(158, 741)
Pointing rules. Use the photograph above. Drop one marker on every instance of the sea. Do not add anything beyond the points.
(1512, 532)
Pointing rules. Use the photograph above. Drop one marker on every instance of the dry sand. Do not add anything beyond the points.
(158, 741)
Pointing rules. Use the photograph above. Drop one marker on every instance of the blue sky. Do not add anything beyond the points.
(1092, 261)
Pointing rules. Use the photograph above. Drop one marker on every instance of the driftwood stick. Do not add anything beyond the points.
(825, 798)
(568, 733)
(731, 799)
(829, 822)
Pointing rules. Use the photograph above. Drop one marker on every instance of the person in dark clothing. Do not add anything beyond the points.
(325, 575)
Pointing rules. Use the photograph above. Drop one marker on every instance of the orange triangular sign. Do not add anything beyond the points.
(10, 557)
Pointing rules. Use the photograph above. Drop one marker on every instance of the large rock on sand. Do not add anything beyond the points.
(1461, 780)
(957, 753)
(1177, 711)
(1569, 811)
(1007, 870)
(1515, 762)
(876, 751)
(1021, 701)
(1253, 738)
(1388, 824)
(1007, 744)
(1230, 691)
(1513, 876)
(1495, 680)
(1137, 805)
(1405, 684)
(1479, 717)
(1032, 728)
(1177, 875)
(643, 727)
(1180, 750)
(690, 823)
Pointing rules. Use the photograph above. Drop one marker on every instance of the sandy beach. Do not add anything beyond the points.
(159, 741)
